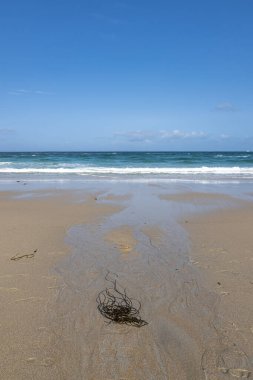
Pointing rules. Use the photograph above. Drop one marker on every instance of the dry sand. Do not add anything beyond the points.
(199, 312)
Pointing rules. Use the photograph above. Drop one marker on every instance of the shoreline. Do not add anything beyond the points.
(50, 324)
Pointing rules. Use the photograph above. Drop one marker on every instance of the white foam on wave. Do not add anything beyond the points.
(133, 171)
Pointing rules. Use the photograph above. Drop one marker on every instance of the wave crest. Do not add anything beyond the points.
(131, 170)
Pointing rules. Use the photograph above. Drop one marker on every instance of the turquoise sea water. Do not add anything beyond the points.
(189, 166)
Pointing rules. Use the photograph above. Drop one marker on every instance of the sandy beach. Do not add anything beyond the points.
(186, 257)
(222, 250)
(126, 190)
(35, 227)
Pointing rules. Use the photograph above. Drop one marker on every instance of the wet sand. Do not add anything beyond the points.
(27, 284)
(222, 250)
(198, 310)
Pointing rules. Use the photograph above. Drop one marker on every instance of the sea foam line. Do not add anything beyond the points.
(132, 170)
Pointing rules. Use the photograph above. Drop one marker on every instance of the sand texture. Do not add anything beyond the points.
(32, 232)
(191, 282)
(222, 248)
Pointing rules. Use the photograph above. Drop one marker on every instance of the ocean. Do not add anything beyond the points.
(131, 166)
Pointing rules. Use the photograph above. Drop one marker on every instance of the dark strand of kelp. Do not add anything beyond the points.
(27, 256)
(117, 307)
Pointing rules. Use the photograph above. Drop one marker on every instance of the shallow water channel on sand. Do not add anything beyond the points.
(147, 251)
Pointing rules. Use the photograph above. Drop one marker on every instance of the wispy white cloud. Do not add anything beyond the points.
(27, 92)
(224, 136)
(161, 135)
(225, 107)
(176, 133)
(135, 136)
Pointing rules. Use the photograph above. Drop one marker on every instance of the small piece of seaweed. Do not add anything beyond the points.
(27, 256)
(118, 307)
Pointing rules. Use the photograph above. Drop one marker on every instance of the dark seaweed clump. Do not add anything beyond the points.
(116, 306)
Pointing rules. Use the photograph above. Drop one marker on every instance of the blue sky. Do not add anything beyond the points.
(126, 75)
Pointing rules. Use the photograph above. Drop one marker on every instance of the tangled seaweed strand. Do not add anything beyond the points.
(118, 307)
